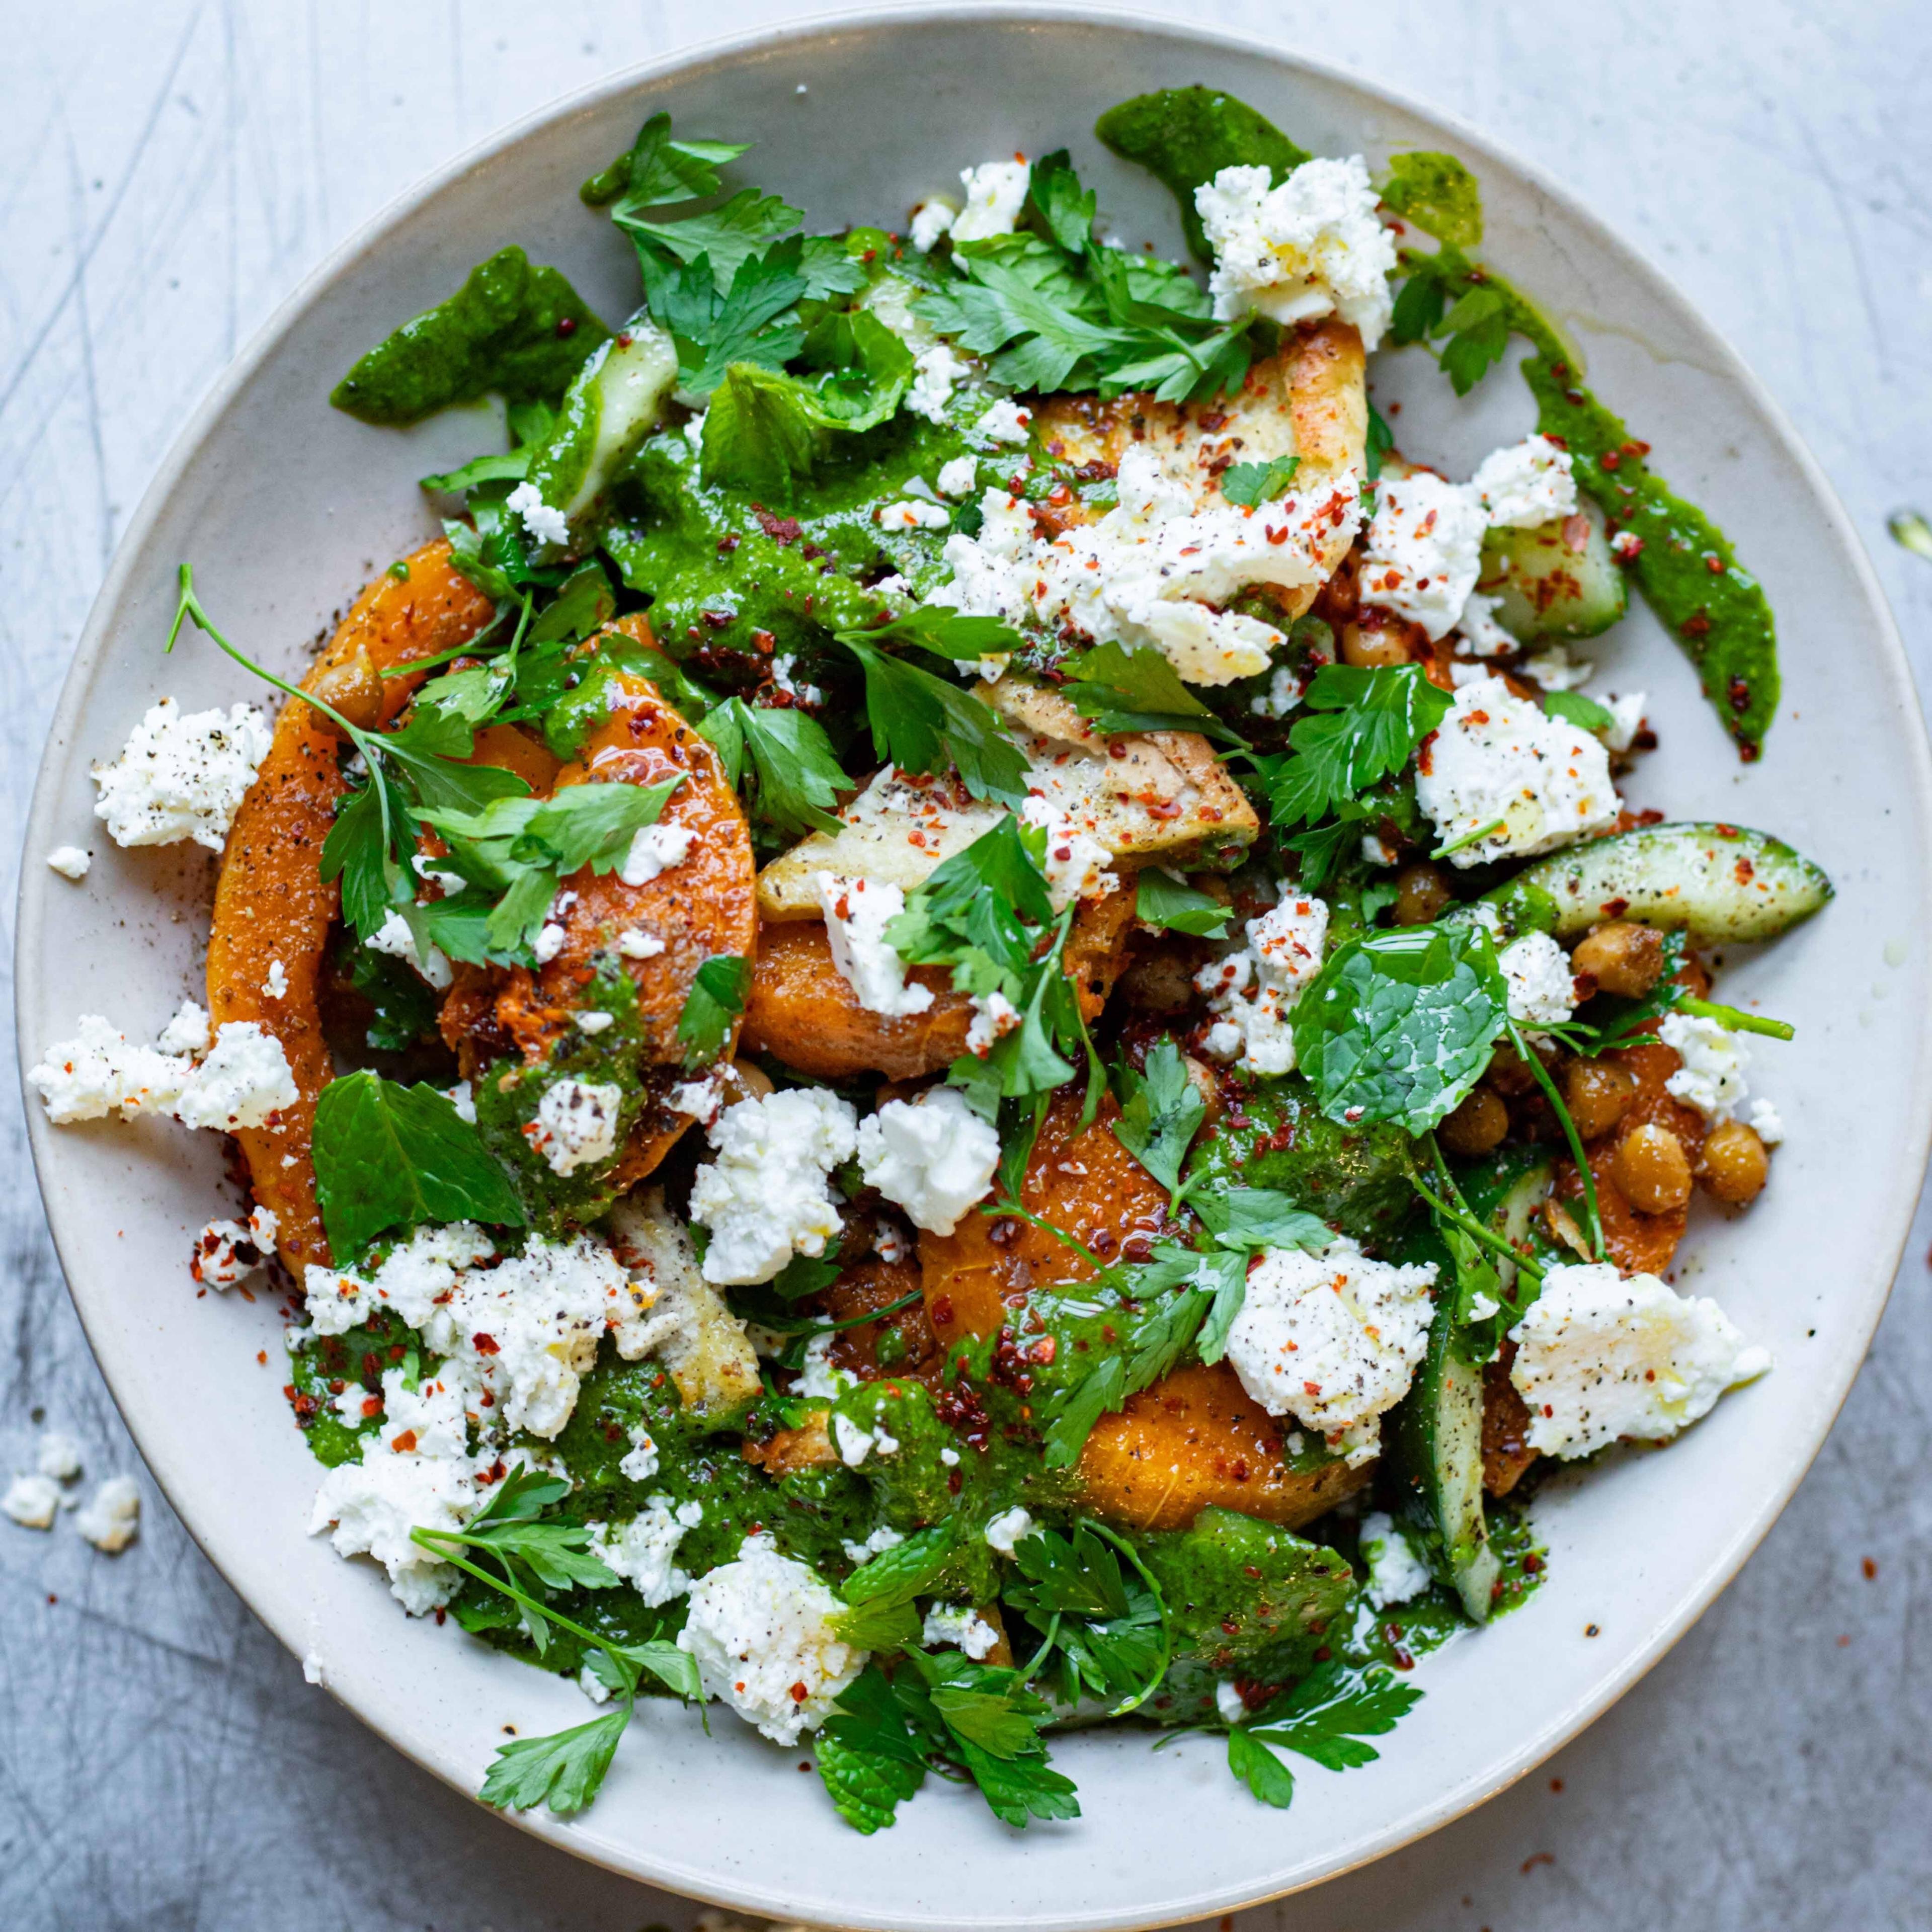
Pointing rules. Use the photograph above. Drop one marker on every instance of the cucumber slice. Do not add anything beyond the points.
(1439, 1431)
(1557, 580)
(1717, 882)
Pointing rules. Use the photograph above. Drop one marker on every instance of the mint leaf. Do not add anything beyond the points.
(921, 723)
(387, 1155)
(1573, 708)
(1169, 906)
(1251, 484)
(869, 1756)
(719, 991)
(1399, 1025)
(899, 1574)
(565, 1770)
(1160, 1113)
(1364, 725)
(1379, 441)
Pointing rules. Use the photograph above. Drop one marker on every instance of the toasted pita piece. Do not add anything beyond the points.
(1148, 797)
(270, 901)
(704, 906)
(1196, 1440)
(1309, 400)
(802, 1011)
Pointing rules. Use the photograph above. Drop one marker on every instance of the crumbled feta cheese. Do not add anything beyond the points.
(100, 1071)
(934, 1156)
(857, 912)
(315, 1670)
(1542, 987)
(640, 1463)
(995, 193)
(877, 1544)
(1527, 484)
(1766, 1123)
(110, 1518)
(71, 862)
(396, 939)
(854, 1444)
(910, 514)
(32, 1501)
(1153, 570)
(994, 1017)
(462, 1096)
(961, 1625)
(949, 1457)
(783, 667)
(762, 1630)
(935, 372)
(765, 1197)
(1498, 756)
(1009, 1528)
(1712, 1077)
(594, 1022)
(226, 1251)
(1480, 632)
(701, 1099)
(1554, 670)
(187, 1033)
(1599, 1358)
(656, 849)
(1395, 1572)
(1286, 688)
(414, 1278)
(890, 1243)
(1332, 1339)
(1627, 546)
(1007, 421)
(58, 1456)
(545, 524)
(1077, 864)
(276, 986)
(1314, 246)
(634, 943)
(593, 1686)
(1253, 987)
(820, 1379)
(1626, 719)
(956, 478)
(1229, 1704)
(1376, 850)
(244, 1080)
(643, 1551)
(182, 776)
(930, 221)
(549, 942)
(415, 1473)
(576, 1124)
(1425, 550)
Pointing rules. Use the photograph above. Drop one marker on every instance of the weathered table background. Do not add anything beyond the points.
(169, 170)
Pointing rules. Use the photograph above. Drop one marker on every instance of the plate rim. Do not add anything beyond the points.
(1725, 1562)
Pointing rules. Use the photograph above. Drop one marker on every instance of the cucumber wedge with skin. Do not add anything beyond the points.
(1719, 882)
(1557, 580)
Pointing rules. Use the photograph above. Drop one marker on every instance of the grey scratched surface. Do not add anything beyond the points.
(168, 171)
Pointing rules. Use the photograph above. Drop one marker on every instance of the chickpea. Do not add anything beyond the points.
(1376, 648)
(1598, 1095)
(1207, 1084)
(1509, 1073)
(1420, 894)
(1735, 1166)
(1623, 957)
(1652, 1170)
(1477, 1125)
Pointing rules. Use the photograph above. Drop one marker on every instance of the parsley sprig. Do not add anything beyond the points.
(1105, 1632)
(1324, 1718)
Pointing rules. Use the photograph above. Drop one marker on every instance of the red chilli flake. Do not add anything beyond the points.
(486, 1345)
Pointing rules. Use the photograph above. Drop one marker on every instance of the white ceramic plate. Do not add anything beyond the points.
(286, 507)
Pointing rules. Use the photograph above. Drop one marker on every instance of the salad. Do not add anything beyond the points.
(949, 1027)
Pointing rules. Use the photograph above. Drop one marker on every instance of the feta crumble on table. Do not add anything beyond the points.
(656, 849)
(857, 912)
(934, 1156)
(930, 221)
(643, 1551)
(110, 1518)
(761, 1630)
(72, 863)
(1332, 1339)
(995, 193)
(1766, 1122)
(58, 1456)
(1396, 1573)
(395, 938)
(765, 1197)
(1712, 1077)
(32, 1501)
(1525, 484)
(546, 524)
(1497, 756)
(576, 1124)
(1009, 1528)
(1626, 719)
(1253, 989)
(956, 478)
(1424, 551)
(911, 514)
(181, 775)
(1313, 246)
(243, 1080)
(961, 1626)
(1542, 987)
(226, 1251)
(1599, 1358)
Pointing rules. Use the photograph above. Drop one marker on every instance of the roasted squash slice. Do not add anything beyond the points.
(271, 902)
